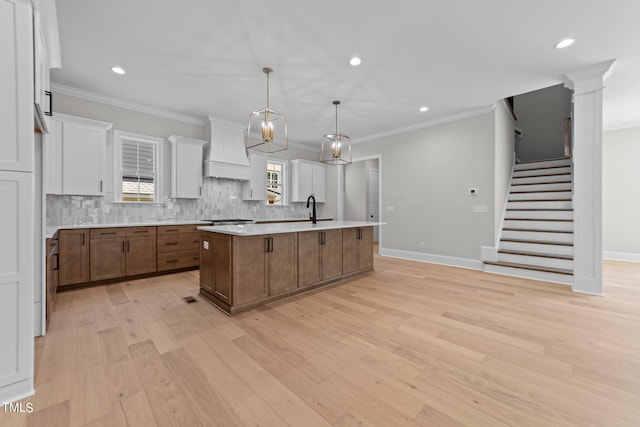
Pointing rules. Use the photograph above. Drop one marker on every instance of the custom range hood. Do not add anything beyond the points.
(225, 155)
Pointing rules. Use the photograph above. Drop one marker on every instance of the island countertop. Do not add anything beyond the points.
(286, 227)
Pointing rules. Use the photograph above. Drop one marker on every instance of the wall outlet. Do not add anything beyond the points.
(205, 245)
(479, 208)
(391, 208)
(105, 208)
(421, 244)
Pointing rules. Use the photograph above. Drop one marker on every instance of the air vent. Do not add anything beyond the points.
(189, 299)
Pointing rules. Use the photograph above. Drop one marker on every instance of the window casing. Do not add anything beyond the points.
(137, 160)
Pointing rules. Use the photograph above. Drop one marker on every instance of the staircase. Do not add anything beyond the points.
(537, 235)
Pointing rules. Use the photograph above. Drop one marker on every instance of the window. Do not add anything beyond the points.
(137, 159)
(275, 182)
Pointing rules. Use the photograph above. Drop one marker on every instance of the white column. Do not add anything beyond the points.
(587, 85)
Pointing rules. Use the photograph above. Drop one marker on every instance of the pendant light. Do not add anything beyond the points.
(336, 147)
(267, 129)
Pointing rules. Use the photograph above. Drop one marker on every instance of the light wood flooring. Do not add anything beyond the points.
(411, 344)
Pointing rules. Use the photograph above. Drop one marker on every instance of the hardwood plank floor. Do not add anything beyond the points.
(410, 344)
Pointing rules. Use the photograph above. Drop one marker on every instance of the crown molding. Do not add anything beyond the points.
(619, 126)
(117, 102)
(424, 125)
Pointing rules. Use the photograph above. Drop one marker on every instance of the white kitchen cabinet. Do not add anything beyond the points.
(186, 167)
(16, 86)
(308, 178)
(75, 158)
(17, 191)
(256, 187)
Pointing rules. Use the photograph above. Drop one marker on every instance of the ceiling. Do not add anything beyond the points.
(200, 58)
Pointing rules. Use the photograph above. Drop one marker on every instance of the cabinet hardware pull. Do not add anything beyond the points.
(266, 244)
(196, 241)
(141, 231)
(170, 261)
(123, 246)
(171, 229)
(128, 246)
(200, 191)
(101, 186)
(57, 267)
(50, 95)
(271, 242)
(82, 239)
(171, 243)
(104, 233)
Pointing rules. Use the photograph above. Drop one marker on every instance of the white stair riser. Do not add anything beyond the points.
(540, 205)
(540, 214)
(536, 172)
(537, 247)
(566, 186)
(537, 261)
(530, 274)
(538, 235)
(539, 225)
(542, 164)
(554, 195)
(540, 179)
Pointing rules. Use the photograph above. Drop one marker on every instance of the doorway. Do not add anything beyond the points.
(361, 192)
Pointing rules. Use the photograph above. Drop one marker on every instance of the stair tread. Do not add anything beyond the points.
(530, 267)
(539, 183)
(536, 242)
(526, 162)
(539, 191)
(538, 176)
(537, 219)
(542, 168)
(539, 200)
(535, 254)
(536, 230)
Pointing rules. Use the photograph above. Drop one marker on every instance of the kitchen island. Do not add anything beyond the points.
(245, 266)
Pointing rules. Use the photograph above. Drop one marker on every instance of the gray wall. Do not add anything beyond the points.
(355, 192)
(620, 201)
(426, 177)
(541, 116)
(504, 158)
(221, 198)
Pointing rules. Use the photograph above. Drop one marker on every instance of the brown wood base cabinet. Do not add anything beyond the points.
(241, 272)
(120, 252)
(73, 251)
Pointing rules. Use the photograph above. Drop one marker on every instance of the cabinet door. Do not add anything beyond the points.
(256, 187)
(140, 255)
(16, 87)
(222, 266)
(302, 181)
(16, 277)
(365, 248)
(249, 269)
(349, 250)
(52, 157)
(74, 257)
(207, 277)
(309, 259)
(283, 261)
(82, 157)
(332, 254)
(107, 258)
(186, 170)
(319, 184)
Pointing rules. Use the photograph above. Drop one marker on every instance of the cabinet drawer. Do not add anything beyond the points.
(175, 229)
(175, 260)
(140, 231)
(178, 242)
(103, 233)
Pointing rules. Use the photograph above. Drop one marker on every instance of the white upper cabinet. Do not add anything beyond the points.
(186, 167)
(308, 178)
(256, 187)
(75, 158)
(16, 86)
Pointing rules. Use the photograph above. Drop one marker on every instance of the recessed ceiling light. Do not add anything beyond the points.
(118, 70)
(355, 61)
(564, 43)
(424, 109)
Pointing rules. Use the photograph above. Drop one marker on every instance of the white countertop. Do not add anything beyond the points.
(51, 229)
(285, 227)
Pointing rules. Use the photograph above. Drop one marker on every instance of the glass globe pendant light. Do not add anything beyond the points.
(336, 147)
(267, 129)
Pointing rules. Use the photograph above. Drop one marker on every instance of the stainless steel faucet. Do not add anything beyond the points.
(313, 214)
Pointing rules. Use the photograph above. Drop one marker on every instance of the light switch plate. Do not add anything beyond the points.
(391, 208)
(479, 208)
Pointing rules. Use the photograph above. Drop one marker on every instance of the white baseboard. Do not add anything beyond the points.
(472, 264)
(621, 256)
(488, 253)
(17, 391)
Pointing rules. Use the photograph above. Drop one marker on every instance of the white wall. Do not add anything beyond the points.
(426, 175)
(355, 192)
(504, 157)
(620, 197)
(541, 116)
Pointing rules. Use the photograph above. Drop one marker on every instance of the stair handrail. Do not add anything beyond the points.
(568, 138)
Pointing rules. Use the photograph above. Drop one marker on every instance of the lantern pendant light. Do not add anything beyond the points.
(267, 129)
(336, 147)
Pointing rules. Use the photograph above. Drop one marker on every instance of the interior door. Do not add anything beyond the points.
(373, 204)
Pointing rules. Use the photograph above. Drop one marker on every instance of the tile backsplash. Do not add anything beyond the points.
(221, 199)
